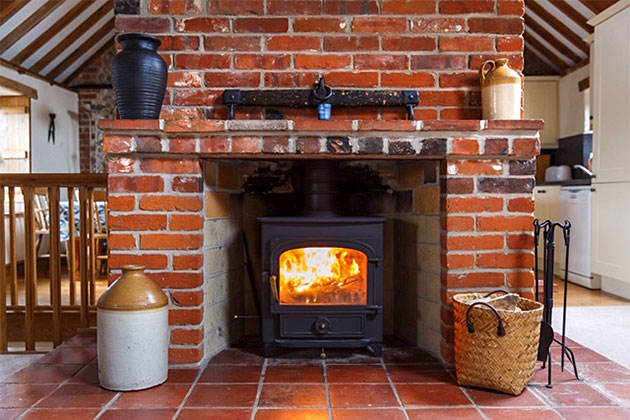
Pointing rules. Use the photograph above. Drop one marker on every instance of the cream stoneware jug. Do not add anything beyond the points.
(500, 91)
(132, 333)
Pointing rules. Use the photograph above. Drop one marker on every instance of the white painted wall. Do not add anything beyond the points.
(574, 105)
(63, 156)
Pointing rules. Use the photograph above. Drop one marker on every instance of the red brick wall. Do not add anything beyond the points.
(435, 46)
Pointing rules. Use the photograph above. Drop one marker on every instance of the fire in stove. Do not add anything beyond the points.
(323, 276)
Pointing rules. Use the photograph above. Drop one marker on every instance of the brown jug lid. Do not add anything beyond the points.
(133, 291)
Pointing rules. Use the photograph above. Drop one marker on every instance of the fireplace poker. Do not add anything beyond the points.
(250, 275)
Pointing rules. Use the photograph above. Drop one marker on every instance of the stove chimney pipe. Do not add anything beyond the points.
(321, 188)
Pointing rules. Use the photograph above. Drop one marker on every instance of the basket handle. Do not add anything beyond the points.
(496, 291)
(471, 327)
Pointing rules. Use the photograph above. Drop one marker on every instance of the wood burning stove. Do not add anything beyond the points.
(322, 273)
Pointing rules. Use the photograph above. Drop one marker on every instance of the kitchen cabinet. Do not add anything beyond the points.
(541, 102)
(611, 144)
(611, 90)
(548, 207)
(611, 237)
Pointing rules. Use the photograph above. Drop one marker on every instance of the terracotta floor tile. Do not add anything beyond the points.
(289, 414)
(78, 396)
(61, 414)
(10, 413)
(231, 373)
(23, 395)
(486, 398)
(214, 414)
(87, 375)
(445, 414)
(44, 374)
(419, 374)
(161, 396)
(573, 395)
(295, 374)
(81, 341)
(182, 376)
(350, 357)
(582, 355)
(557, 375)
(356, 374)
(369, 414)
(595, 413)
(521, 414)
(274, 395)
(362, 396)
(139, 414)
(604, 372)
(432, 395)
(69, 356)
(222, 396)
(407, 355)
(620, 391)
(237, 357)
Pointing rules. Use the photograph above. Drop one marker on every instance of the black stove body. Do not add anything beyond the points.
(337, 319)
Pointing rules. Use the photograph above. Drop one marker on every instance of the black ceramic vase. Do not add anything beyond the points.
(139, 77)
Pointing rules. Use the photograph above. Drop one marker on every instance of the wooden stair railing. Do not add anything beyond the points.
(53, 321)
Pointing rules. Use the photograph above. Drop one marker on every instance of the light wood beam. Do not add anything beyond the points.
(79, 8)
(84, 27)
(82, 49)
(573, 14)
(9, 8)
(22, 70)
(29, 23)
(19, 87)
(551, 39)
(560, 27)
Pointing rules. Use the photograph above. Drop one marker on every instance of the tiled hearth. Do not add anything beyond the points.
(406, 383)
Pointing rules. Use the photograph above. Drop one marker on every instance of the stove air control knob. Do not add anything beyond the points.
(322, 325)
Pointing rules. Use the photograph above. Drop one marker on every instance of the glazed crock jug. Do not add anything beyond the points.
(132, 333)
(500, 91)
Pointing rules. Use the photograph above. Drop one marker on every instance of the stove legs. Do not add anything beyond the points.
(375, 349)
(269, 349)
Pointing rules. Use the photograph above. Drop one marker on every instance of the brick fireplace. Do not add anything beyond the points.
(456, 191)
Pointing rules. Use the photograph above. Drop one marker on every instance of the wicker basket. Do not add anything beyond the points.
(501, 351)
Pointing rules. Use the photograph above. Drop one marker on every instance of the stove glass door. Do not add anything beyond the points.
(323, 276)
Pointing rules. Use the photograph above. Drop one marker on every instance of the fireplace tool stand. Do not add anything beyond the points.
(547, 336)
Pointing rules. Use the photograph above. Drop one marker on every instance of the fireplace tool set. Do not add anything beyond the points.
(546, 331)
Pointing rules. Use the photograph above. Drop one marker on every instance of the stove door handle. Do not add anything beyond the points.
(376, 308)
(273, 283)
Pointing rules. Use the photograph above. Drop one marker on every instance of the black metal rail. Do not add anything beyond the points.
(298, 98)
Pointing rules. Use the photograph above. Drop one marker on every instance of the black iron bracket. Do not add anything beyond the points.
(298, 98)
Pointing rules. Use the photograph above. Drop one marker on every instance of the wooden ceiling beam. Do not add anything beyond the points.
(547, 53)
(22, 70)
(86, 63)
(99, 35)
(9, 8)
(29, 23)
(560, 27)
(598, 6)
(84, 27)
(18, 87)
(53, 30)
(551, 39)
(573, 14)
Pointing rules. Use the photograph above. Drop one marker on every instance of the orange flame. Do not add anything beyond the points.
(324, 276)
